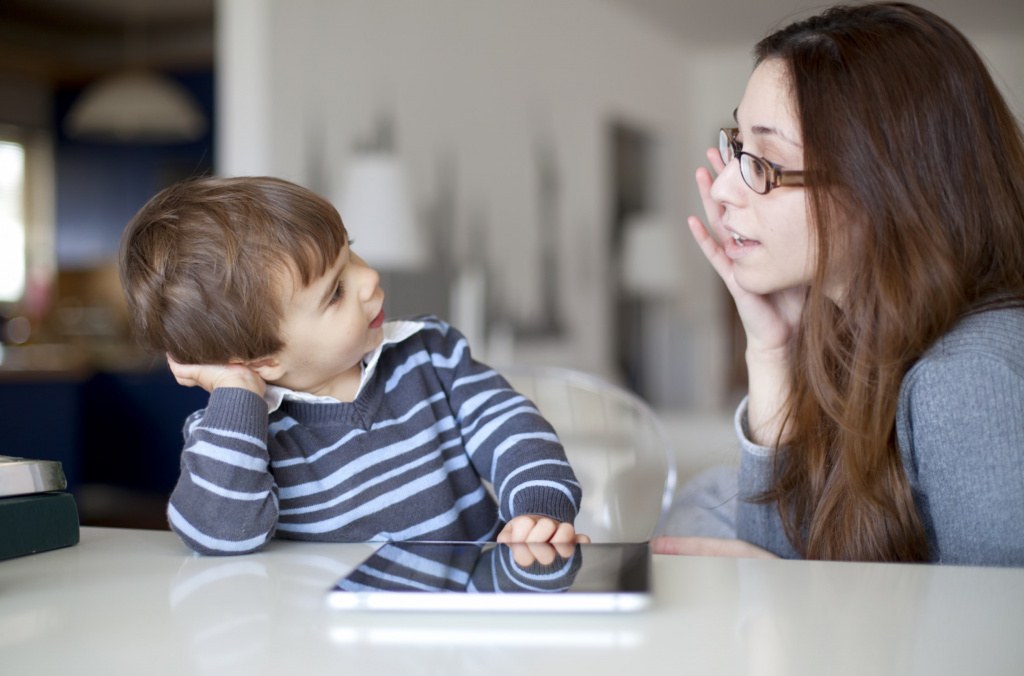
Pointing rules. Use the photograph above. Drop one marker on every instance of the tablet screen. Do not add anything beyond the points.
(498, 577)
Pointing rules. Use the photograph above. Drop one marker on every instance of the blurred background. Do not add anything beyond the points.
(522, 169)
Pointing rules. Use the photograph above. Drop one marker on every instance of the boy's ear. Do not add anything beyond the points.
(268, 368)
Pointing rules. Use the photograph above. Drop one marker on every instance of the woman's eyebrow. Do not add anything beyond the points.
(763, 130)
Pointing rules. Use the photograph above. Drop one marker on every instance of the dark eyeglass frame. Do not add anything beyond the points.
(772, 175)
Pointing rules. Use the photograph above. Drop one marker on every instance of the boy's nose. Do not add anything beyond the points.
(371, 280)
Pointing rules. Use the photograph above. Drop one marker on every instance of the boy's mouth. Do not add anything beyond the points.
(378, 320)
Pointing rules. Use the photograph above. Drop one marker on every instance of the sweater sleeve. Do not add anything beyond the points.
(225, 501)
(508, 441)
(758, 524)
(961, 435)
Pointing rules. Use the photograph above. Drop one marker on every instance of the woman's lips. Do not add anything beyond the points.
(378, 320)
(737, 246)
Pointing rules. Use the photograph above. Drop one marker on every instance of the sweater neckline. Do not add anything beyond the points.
(395, 332)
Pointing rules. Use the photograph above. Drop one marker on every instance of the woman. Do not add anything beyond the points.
(869, 217)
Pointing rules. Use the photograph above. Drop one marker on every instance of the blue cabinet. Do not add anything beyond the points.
(120, 429)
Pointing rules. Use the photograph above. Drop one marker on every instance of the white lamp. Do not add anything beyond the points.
(651, 264)
(136, 106)
(374, 204)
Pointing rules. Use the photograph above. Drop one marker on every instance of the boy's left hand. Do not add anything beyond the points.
(535, 528)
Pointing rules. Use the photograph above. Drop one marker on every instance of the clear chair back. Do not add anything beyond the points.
(616, 445)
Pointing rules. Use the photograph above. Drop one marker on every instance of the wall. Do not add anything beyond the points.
(1004, 55)
(474, 91)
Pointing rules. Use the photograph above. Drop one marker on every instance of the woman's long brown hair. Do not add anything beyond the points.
(915, 169)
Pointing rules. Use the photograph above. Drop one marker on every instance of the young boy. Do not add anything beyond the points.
(324, 422)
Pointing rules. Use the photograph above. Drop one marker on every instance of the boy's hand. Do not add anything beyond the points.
(535, 528)
(212, 376)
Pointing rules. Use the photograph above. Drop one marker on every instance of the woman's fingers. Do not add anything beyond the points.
(711, 249)
(702, 546)
(712, 209)
(715, 158)
(769, 319)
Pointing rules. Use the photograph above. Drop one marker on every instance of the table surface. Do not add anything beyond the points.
(138, 602)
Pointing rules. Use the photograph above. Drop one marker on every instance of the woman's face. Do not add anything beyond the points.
(769, 238)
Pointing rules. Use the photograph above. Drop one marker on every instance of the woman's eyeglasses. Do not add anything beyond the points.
(758, 173)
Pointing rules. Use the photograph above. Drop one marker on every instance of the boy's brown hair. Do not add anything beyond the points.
(202, 263)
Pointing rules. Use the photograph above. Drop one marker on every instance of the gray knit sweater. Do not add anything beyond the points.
(404, 461)
(960, 431)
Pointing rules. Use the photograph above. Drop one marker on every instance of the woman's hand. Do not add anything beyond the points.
(769, 321)
(212, 376)
(737, 549)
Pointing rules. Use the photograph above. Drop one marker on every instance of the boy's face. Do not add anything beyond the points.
(327, 328)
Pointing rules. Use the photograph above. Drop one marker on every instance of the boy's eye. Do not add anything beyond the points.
(339, 291)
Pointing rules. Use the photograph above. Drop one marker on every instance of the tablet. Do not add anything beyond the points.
(445, 576)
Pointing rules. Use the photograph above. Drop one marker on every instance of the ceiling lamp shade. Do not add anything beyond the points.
(374, 204)
(136, 107)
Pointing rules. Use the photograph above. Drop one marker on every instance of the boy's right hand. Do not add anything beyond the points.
(212, 376)
(533, 528)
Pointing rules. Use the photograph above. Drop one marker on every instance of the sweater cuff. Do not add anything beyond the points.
(236, 409)
(544, 501)
(743, 433)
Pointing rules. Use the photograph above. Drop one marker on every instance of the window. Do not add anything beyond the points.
(12, 221)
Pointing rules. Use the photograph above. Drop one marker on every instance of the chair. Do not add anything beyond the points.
(616, 445)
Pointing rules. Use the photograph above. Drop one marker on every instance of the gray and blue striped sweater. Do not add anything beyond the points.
(404, 461)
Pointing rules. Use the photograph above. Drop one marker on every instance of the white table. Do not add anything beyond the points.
(138, 602)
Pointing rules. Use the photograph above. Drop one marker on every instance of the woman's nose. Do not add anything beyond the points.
(728, 186)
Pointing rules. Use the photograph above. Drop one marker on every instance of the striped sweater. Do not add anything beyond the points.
(404, 461)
